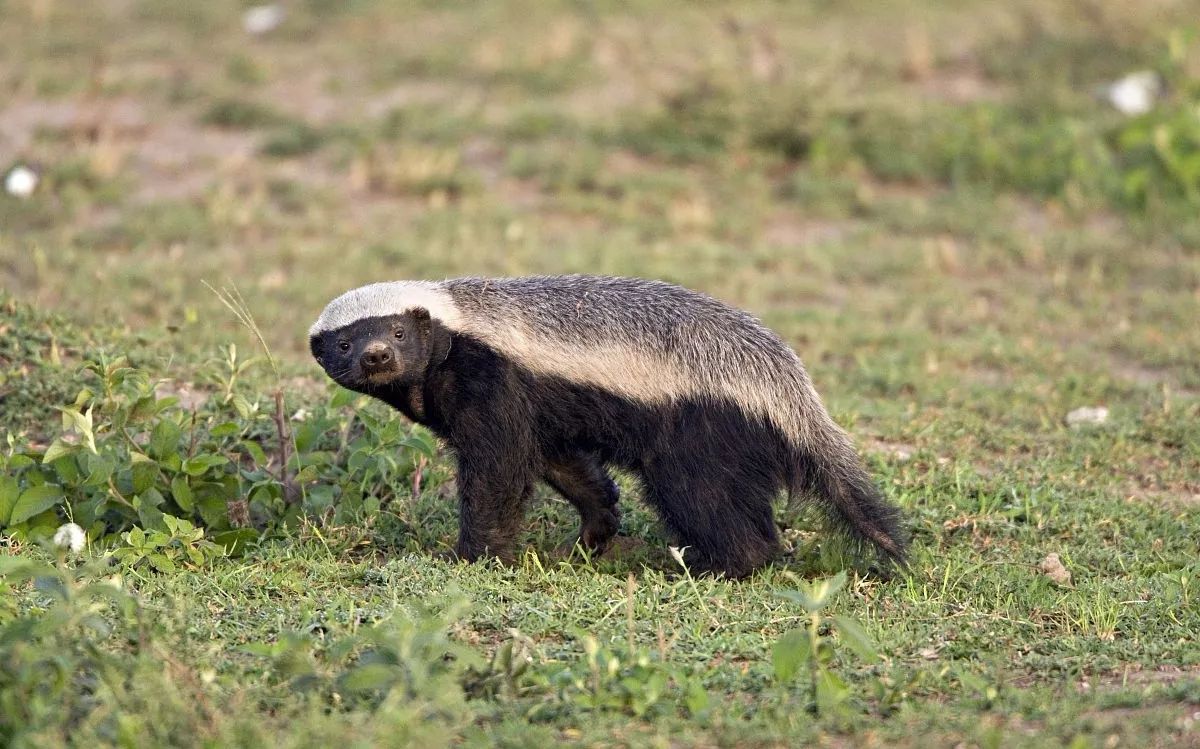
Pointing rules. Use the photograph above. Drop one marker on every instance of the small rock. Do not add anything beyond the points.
(1135, 93)
(1052, 567)
(21, 181)
(262, 19)
(1087, 415)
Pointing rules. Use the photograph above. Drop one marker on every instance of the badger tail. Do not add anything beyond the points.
(831, 472)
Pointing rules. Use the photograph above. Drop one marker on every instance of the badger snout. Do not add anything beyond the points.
(377, 358)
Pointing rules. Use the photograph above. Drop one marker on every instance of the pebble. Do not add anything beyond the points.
(262, 19)
(21, 181)
(1087, 415)
(1135, 93)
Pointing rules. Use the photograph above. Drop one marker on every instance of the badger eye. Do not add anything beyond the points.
(400, 334)
(343, 346)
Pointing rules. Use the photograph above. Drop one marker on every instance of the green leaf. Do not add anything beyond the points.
(789, 654)
(342, 397)
(856, 638)
(82, 424)
(307, 434)
(143, 408)
(67, 470)
(422, 442)
(201, 463)
(227, 429)
(9, 491)
(235, 541)
(373, 677)
(152, 497)
(142, 475)
(20, 460)
(136, 537)
(58, 448)
(161, 562)
(241, 405)
(34, 500)
(18, 569)
(697, 698)
(798, 596)
(149, 516)
(820, 591)
(100, 468)
(256, 452)
(182, 494)
(214, 511)
(164, 439)
(831, 691)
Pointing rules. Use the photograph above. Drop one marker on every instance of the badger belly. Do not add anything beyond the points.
(709, 434)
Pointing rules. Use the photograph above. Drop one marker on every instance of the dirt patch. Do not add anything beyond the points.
(1152, 377)
(785, 229)
(1136, 674)
(1185, 496)
(190, 396)
(170, 156)
(901, 452)
(1041, 218)
(412, 93)
(960, 84)
(111, 119)
(177, 159)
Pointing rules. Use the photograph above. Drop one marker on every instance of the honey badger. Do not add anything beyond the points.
(554, 378)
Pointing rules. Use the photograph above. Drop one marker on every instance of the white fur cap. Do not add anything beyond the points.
(387, 298)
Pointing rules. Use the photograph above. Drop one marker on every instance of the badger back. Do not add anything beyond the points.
(649, 341)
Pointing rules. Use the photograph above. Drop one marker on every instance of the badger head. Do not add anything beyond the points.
(380, 352)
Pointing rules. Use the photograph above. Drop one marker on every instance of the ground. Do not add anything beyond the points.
(932, 202)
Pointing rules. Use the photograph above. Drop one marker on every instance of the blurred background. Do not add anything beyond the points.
(906, 190)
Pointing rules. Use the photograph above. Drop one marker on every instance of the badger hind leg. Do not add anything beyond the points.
(721, 516)
(582, 481)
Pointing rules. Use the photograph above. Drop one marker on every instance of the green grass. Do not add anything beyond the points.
(927, 200)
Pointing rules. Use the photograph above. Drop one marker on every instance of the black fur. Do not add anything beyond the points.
(709, 470)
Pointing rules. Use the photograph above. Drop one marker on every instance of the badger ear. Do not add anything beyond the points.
(435, 335)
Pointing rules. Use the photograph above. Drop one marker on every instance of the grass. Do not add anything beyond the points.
(927, 200)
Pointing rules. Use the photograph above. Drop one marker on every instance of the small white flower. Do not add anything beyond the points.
(21, 181)
(262, 19)
(300, 415)
(70, 537)
(1135, 93)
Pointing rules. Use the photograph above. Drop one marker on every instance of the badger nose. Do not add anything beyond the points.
(376, 357)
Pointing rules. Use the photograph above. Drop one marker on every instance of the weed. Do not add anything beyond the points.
(294, 139)
(807, 651)
(241, 115)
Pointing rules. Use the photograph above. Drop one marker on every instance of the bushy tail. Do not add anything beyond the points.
(831, 471)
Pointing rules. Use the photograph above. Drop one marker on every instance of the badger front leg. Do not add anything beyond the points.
(497, 466)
